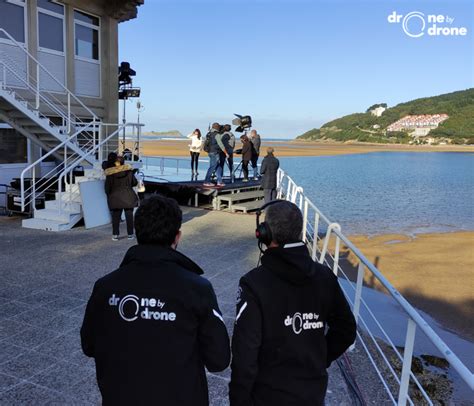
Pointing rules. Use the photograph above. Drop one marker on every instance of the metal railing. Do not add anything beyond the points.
(30, 76)
(318, 231)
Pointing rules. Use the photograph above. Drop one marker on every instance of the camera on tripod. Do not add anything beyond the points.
(243, 123)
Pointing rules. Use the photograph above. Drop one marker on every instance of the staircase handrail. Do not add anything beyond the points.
(67, 91)
(96, 148)
(38, 161)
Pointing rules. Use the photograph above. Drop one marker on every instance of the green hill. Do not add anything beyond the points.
(365, 127)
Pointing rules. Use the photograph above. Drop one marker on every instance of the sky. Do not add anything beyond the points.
(291, 64)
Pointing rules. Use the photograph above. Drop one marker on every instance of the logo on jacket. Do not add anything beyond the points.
(303, 321)
(131, 307)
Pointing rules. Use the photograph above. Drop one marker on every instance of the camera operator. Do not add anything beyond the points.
(214, 150)
(255, 141)
(229, 138)
(154, 324)
(292, 319)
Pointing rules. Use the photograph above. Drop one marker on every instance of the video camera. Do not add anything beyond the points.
(242, 122)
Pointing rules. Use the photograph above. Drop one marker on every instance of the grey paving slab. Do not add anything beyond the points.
(30, 394)
(7, 382)
(43, 294)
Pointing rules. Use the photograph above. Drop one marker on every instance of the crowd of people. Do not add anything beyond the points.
(219, 143)
(154, 325)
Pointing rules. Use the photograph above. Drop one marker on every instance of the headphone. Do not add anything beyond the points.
(262, 231)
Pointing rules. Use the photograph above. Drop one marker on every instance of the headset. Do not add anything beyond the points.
(262, 231)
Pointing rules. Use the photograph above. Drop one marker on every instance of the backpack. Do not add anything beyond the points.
(207, 142)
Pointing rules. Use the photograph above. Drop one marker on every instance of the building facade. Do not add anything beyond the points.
(76, 44)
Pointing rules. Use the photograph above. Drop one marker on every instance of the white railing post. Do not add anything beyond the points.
(357, 296)
(33, 201)
(336, 255)
(69, 113)
(37, 87)
(315, 237)
(305, 220)
(407, 358)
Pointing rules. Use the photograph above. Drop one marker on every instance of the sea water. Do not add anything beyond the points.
(390, 192)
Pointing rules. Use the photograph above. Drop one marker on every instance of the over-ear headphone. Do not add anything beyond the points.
(263, 232)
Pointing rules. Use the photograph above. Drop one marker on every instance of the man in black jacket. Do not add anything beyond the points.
(269, 170)
(154, 324)
(292, 321)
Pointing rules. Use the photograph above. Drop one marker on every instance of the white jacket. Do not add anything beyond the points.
(196, 143)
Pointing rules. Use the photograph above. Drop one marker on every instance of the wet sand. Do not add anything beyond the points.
(435, 273)
(301, 148)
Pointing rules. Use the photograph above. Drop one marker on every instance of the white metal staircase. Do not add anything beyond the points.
(63, 127)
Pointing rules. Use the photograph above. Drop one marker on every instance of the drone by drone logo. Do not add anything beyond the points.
(415, 24)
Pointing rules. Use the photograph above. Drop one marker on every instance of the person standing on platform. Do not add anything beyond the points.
(231, 143)
(269, 170)
(223, 139)
(119, 183)
(194, 150)
(213, 150)
(246, 156)
(255, 141)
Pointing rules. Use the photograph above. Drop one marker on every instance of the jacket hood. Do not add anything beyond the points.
(117, 169)
(291, 262)
(154, 254)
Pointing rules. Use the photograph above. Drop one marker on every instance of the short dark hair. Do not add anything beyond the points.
(158, 220)
(285, 222)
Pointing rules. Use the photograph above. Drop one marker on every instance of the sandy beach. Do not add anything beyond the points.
(302, 148)
(435, 273)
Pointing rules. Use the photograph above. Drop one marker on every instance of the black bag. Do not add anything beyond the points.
(207, 142)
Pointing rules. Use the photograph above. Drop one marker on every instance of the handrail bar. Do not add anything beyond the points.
(28, 168)
(50, 74)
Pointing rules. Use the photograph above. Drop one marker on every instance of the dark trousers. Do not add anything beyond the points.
(194, 161)
(230, 162)
(269, 195)
(245, 169)
(254, 165)
(117, 215)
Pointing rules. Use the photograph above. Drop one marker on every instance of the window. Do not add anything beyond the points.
(12, 19)
(51, 26)
(13, 146)
(86, 36)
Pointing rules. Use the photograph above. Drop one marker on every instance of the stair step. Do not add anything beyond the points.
(69, 206)
(245, 207)
(51, 225)
(52, 214)
(66, 197)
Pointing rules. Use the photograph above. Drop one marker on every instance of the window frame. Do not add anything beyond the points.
(91, 26)
(56, 15)
(21, 3)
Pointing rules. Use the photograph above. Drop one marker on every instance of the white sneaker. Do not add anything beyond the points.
(131, 237)
(115, 238)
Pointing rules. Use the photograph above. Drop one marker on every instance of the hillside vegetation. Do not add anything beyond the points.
(365, 127)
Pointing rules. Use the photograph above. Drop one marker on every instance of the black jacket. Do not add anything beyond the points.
(279, 346)
(152, 326)
(269, 169)
(119, 182)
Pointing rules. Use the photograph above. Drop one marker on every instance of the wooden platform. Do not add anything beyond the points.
(234, 196)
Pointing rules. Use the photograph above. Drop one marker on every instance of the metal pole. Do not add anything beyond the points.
(407, 358)
(315, 237)
(33, 202)
(69, 113)
(336, 255)
(37, 87)
(305, 220)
